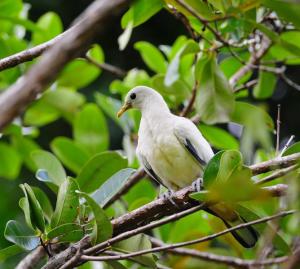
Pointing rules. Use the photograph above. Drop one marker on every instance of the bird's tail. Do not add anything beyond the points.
(247, 236)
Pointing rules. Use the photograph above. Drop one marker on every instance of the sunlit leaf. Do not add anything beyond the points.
(265, 86)
(10, 251)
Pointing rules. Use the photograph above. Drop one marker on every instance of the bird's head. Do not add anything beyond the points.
(141, 97)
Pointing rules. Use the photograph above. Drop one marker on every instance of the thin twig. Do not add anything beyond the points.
(278, 122)
(287, 145)
(191, 102)
(290, 82)
(246, 85)
(107, 67)
(187, 243)
(208, 256)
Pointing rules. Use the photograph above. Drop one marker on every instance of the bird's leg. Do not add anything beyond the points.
(197, 185)
(167, 195)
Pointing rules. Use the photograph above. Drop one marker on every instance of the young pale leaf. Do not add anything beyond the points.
(98, 169)
(90, 129)
(265, 86)
(140, 11)
(124, 38)
(215, 100)
(102, 228)
(111, 186)
(44, 203)
(32, 209)
(190, 47)
(63, 230)
(47, 161)
(10, 162)
(295, 148)
(137, 243)
(88, 72)
(152, 56)
(10, 251)
(67, 203)
(219, 138)
(21, 235)
(71, 154)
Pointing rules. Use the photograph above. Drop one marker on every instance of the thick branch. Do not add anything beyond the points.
(67, 47)
(32, 259)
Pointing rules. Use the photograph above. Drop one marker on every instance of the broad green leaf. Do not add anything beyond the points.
(10, 161)
(295, 148)
(137, 243)
(102, 227)
(47, 161)
(25, 146)
(140, 11)
(67, 203)
(51, 26)
(190, 47)
(35, 218)
(44, 203)
(179, 89)
(72, 236)
(111, 106)
(151, 56)
(10, 8)
(218, 137)
(79, 73)
(98, 169)
(112, 186)
(215, 100)
(265, 86)
(177, 45)
(288, 10)
(10, 251)
(71, 154)
(21, 235)
(90, 129)
(63, 230)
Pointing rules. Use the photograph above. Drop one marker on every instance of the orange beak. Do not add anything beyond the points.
(124, 108)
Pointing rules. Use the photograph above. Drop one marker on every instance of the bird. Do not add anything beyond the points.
(172, 151)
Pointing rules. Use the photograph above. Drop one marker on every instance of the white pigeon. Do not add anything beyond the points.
(173, 151)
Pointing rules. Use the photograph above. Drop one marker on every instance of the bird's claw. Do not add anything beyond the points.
(167, 195)
(197, 185)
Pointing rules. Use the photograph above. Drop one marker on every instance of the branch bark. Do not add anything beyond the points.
(66, 47)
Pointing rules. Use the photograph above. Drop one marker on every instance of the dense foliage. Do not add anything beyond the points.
(219, 74)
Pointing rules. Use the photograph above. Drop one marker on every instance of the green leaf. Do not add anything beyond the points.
(137, 243)
(265, 86)
(63, 230)
(10, 162)
(71, 154)
(25, 146)
(190, 47)
(98, 169)
(21, 235)
(10, 251)
(79, 73)
(151, 56)
(102, 228)
(67, 203)
(112, 186)
(288, 10)
(219, 138)
(295, 148)
(179, 88)
(215, 100)
(11, 8)
(44, 203)
(47, 161)
(35, 218)
(90, 129)
(140, 11)
(51, 26)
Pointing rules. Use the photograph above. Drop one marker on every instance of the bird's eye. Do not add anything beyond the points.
(133, 96)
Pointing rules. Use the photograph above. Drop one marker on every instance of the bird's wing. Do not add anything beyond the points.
(149, 169)
(191, 138)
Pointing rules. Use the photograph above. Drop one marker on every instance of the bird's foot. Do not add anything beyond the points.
(167, 195)
(197, 185)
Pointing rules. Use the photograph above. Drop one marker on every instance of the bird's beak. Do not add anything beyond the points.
(125, 107)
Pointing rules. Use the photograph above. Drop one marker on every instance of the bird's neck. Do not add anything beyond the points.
(155, 111)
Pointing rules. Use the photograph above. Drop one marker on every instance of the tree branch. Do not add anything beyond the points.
(32, 259)
(67, 47)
